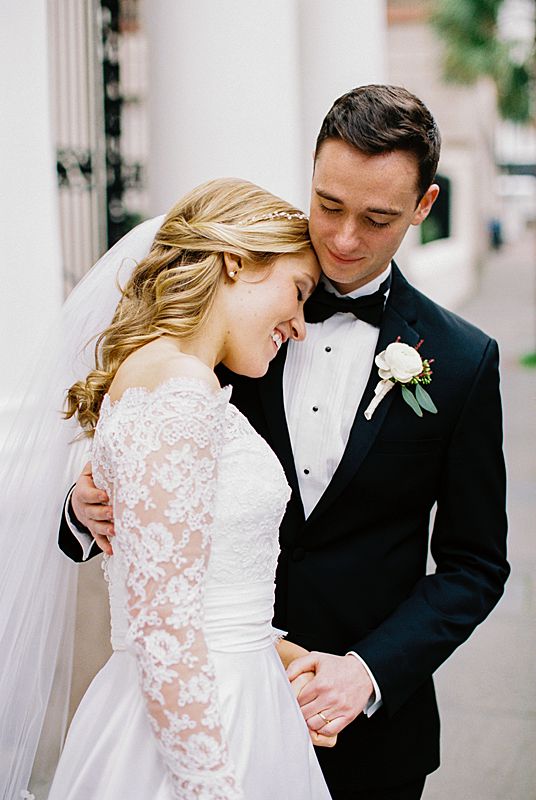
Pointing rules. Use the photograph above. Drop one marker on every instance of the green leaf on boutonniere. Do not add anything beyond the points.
(410, 400)
(424, 399)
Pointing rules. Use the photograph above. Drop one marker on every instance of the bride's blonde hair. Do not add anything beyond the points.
(172, 290)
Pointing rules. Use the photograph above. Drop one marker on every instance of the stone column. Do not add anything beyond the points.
(224, 96)
(30, 263)
(343, 46)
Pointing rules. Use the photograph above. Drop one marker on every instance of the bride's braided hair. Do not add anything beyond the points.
(172, 290)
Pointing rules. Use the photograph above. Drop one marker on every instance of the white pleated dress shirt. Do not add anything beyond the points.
(323, 382)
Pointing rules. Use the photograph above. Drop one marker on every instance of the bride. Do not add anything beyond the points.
(194, 702)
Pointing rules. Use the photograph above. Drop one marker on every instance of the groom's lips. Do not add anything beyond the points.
(343, 260)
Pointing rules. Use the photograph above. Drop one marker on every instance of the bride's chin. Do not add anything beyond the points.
(249, 369)
(255, 372)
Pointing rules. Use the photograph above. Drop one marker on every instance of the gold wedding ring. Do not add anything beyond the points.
(326, 720)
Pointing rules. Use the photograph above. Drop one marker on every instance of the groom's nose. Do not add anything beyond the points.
(347, 239)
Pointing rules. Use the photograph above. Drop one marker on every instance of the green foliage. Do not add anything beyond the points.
(424, 399)
(514, 92)
(529, 360)
(472, 48)
(410, 400)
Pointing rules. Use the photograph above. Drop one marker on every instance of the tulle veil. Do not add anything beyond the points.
(39, 460)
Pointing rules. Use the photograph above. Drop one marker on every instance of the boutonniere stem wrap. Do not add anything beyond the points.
(402, 364)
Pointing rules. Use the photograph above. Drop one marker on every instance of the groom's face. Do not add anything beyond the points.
(361, 208)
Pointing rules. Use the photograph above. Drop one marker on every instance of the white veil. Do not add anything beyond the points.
(39, 461)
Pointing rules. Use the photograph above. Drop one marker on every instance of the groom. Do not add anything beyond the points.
(351, 584)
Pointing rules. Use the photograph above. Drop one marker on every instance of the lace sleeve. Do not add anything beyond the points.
(164, 496)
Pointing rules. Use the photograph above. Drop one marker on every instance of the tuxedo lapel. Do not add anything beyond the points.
(398, 321)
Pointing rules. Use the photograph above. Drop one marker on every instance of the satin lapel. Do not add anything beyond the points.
(398, 320)
(271, 396)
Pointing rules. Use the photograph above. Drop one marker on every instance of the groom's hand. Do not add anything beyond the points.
(339, 691)
(91, 508)
(298, 684)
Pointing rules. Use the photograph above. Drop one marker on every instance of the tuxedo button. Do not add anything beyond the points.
(298, 554)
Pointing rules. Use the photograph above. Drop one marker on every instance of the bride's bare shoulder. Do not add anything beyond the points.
(157, 362)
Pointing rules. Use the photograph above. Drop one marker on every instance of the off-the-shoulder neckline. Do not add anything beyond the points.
(183, 381)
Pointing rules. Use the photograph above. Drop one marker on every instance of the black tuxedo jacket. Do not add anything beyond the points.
(353, 575)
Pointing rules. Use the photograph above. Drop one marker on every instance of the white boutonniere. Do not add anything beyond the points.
(400, 363)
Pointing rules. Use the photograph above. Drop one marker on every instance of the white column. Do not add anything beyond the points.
(224, 96)
(343, 46)
(30, 263)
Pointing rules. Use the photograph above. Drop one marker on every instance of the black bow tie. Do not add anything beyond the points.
(369, 307)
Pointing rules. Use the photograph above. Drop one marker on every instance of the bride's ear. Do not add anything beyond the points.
(233, 264)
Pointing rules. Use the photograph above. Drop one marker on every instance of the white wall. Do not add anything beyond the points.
(30, 265)
(447, 269)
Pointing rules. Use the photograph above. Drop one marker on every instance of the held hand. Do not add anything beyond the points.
(91, 508)
(318, 739)
(338, 693)
(288, 652)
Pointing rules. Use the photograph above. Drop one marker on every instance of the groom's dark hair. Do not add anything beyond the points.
(379, 119)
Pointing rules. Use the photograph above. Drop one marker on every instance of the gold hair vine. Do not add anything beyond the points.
(275, 215)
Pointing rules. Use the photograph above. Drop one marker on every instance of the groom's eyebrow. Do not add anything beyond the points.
(389, 212)
(328, 196)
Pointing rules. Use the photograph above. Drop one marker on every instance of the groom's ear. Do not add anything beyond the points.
(425, 204)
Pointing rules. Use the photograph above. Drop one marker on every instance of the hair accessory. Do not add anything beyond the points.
(275, 215)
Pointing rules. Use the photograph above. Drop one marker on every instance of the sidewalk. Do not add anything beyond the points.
(487, 689)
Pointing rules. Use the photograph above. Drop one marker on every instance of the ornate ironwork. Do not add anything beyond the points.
(120, 174)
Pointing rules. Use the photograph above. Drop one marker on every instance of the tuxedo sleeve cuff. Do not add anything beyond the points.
(375, 700)
(82, 536)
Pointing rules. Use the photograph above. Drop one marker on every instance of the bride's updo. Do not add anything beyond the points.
(173, 289)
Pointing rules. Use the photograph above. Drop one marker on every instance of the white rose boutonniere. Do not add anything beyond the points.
(400, 363)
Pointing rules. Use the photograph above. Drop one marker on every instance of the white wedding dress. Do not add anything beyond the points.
(194, 702)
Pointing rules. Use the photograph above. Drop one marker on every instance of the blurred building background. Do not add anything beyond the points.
(111, 109)
(114, 108)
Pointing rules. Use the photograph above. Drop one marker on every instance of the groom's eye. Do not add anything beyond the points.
(377, 224)
(329, 210)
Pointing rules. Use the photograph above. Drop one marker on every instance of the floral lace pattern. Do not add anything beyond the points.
(156, 453)
(251, 500)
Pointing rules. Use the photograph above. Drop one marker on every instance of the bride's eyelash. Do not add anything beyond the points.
(378, 224)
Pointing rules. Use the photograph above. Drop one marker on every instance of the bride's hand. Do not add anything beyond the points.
(91, 508)
(318, 739)
(288, 651)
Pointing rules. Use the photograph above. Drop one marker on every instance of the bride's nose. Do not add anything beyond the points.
(297, 326)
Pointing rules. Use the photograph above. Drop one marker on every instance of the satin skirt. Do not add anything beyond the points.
(111, 752)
